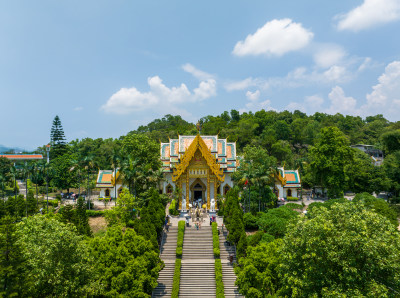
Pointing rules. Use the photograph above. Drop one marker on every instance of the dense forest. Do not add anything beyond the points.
(55, 253)
(288, 137)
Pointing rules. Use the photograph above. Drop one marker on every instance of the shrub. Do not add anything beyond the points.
(253, 240)
(177, 277)
(179, 243)
(241, 246)
(292, 199)
(294, 206)
(250, 221)
(53, 203)
(267, 238)
(94, 213)
(101, 199)
(275, 221)
(216, 250)
(218, 279)
(172, 208)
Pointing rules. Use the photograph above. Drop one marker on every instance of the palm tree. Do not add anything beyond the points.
(2, 179)
(88, 164)
(130, 168)
(115, 162)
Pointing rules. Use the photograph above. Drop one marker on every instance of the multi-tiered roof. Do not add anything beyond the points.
(223, 152)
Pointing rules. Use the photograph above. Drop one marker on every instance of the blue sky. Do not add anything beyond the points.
(106, 67)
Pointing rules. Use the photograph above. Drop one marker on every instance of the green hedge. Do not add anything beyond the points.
(53, 203)
(94, 213)
(218, 279)
(179, 242)
(172, 208)
(177, 278)
(292, 199)
(216, 250)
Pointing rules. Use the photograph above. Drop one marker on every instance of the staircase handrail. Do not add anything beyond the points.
(163, 234)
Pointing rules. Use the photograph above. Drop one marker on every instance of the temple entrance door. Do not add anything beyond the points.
(198, 194)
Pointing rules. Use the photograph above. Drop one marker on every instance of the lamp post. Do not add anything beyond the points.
(47, 182)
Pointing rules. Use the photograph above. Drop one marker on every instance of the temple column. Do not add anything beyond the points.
(187, 190)
(208, 190)
(180, 188)
(215, 190)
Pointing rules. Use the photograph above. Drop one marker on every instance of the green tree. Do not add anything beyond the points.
(31, 203)
(360, 173)
(64, 175)
(347, 251)
(391, 141)
(329, 157)
(12, 271)
(257, 171)
(379, 206)
(57, 260)
(126, 263)
(124, 210)
(57, 139)
(257, 274)
(141, 158)
(276, 221)
(82, 220)
(391, 166)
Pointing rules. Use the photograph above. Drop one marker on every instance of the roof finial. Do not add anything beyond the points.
(198, 126)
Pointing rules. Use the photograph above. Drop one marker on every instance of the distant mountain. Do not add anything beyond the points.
(8, 149)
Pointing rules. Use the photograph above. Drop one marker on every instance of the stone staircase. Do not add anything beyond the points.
(168, 255)
(168, 249)
(197, 244)
(228, 274)
(198, 264)
(198, 269)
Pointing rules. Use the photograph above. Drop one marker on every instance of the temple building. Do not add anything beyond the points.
(289, 186)
(106, 183)
(201, 166)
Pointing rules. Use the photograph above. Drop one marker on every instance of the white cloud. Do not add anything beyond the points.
(253, 96)
(340, 103)
(366, 64)
(311, 104)
(257, 105)
(314, 101)
(328, 54)
(369, 14)
(385, 96)
(197, 73)
(159, 97)
(335, 73)
(244, 84)
(276, 37)
(292, 106)
(78, 109)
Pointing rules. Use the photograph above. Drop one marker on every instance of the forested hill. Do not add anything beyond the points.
(286, 136)
(278, 132)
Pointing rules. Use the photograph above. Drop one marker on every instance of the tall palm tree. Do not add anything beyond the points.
(115, 162)
(2, 180)
(88, 165)
(35, 168)
(130, 168)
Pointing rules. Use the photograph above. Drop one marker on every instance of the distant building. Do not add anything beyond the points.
(22, 156)
(106, 182)
(375, 154)
(288, 184)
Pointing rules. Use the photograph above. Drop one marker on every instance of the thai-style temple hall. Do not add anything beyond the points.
(201, 166)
